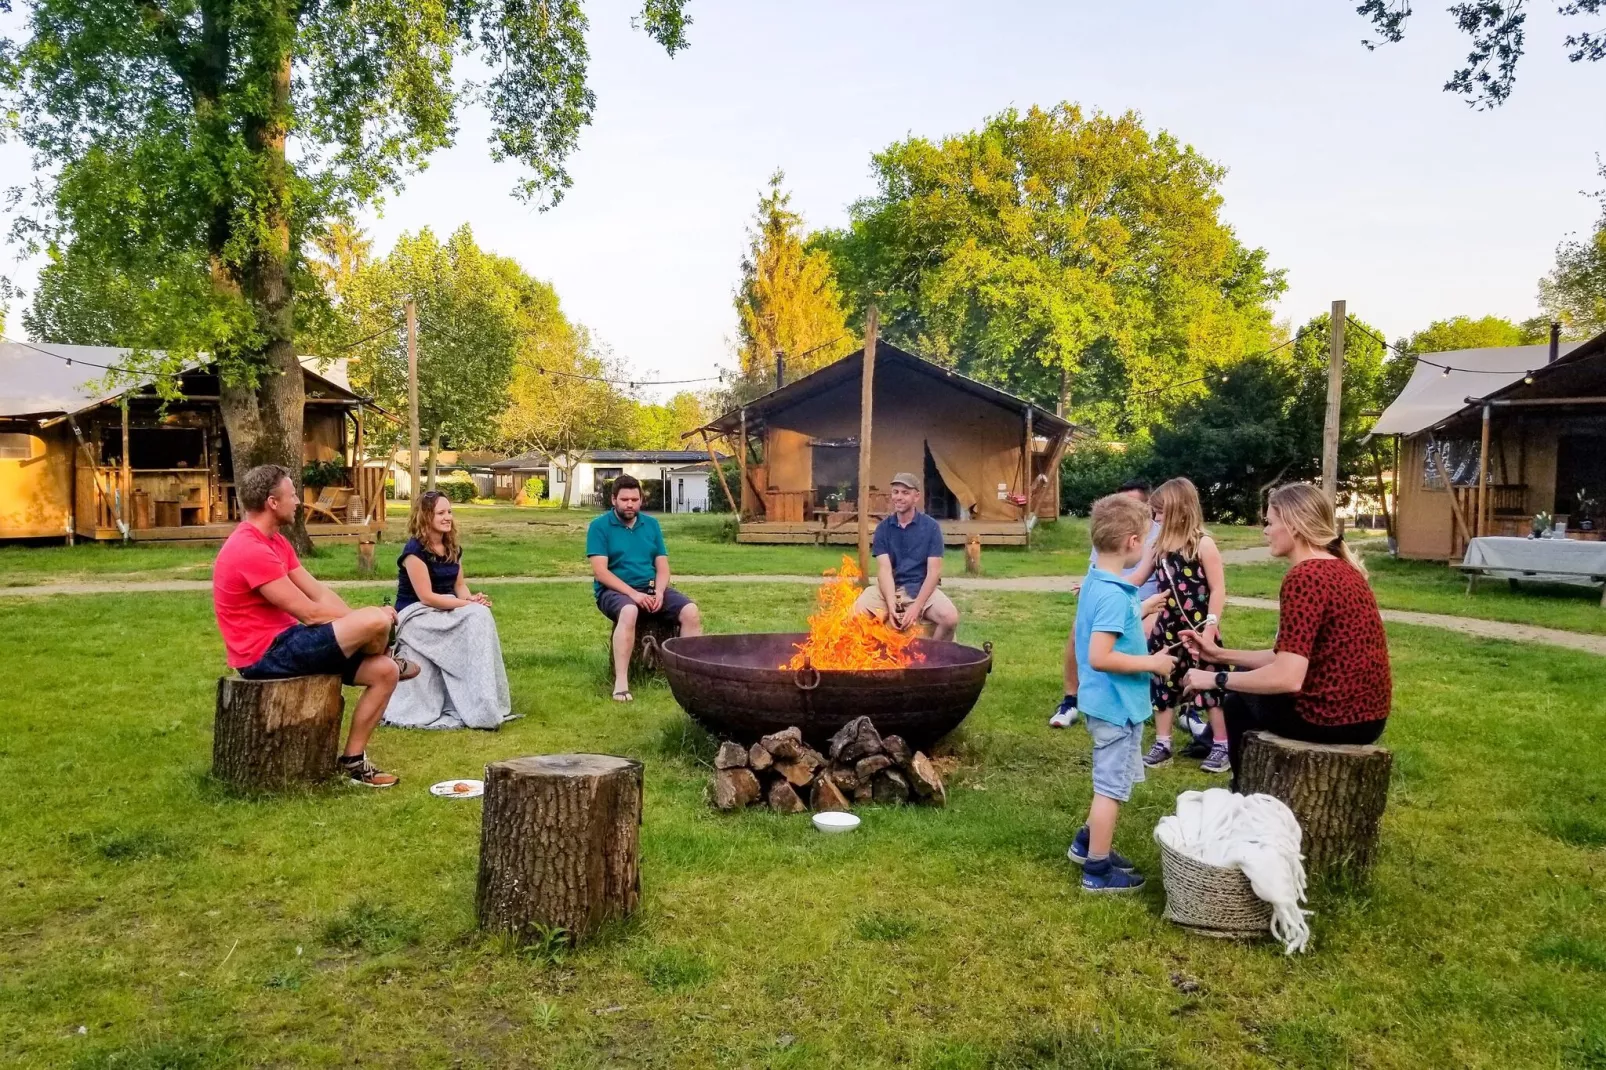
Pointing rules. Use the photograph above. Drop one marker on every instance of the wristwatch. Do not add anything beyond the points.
(1221, 681)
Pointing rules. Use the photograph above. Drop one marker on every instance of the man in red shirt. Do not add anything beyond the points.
(277, 621)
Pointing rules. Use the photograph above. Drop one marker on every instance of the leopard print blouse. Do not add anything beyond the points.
(1329, 616)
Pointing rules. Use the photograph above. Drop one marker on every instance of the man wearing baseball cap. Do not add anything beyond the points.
(908, 550)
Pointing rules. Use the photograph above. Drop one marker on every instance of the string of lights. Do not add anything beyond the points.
(1445, 369)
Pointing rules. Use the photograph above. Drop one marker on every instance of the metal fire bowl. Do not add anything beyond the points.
(731, 686)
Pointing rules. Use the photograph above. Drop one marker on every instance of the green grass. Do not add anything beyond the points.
(149, 919)
(501, 540)
(1427, 587)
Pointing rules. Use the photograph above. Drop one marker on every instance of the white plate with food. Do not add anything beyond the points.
(458, 789)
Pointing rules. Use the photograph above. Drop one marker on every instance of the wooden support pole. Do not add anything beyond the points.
(719, 470)
(1483, 473)
(741, 464)
(412, 396)
(1455, 506)
(1028, 513)
(1382, 490)
(872, 327)
(124, 504)
(1335, 398)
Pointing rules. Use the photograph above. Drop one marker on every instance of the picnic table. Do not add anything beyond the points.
(1543, 560)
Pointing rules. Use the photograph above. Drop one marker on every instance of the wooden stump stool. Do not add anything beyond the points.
(1337, 793)
(559, 844)
(270, 734)
(365, 556)
(650, 633)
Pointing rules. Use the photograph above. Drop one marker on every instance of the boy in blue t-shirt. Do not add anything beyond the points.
(1114, 663)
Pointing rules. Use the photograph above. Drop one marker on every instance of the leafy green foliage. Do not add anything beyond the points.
(323, 473)
(1574, 293)
(1091, 470)
(1058, 243)
(659, 426)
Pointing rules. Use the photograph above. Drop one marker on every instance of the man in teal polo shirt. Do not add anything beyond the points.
(631, 568)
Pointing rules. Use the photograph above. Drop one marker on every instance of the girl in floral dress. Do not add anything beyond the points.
(1187, 565)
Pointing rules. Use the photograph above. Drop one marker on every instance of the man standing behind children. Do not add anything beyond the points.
(1114, 664)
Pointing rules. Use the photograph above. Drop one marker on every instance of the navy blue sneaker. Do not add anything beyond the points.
(1078, 853)
(1101, 876)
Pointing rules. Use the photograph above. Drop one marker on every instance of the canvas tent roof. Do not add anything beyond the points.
(887, 355)
(36, 379)
(1430, 397)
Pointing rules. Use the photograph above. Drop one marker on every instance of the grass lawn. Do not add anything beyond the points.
(150, 920)
(1433, 588)
(502, 540)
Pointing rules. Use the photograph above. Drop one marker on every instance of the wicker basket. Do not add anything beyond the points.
(1210, 900)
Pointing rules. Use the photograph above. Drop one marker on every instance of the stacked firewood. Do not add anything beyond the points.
(860, 766)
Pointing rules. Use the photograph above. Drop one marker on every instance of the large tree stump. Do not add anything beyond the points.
(559, 844)
(270, 734)
(1337, 793)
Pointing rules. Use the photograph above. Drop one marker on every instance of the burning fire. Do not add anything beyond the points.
(842, 639)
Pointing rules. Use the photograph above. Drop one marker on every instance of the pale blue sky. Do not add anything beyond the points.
(1351, 168)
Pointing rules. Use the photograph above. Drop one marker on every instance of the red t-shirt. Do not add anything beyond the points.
(1329, 616)
(248, 621)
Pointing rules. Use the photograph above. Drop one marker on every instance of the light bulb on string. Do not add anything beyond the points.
(1446, 371)
(1528, 378)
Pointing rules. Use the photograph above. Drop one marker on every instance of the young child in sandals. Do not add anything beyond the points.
(1187, 565)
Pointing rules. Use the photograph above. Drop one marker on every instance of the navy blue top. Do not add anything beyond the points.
(442, 574)
(908, 547)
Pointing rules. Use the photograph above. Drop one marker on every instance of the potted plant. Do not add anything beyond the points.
(1585, 510)
(1541, 524)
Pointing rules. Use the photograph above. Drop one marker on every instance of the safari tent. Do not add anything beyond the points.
(1487, 438)
(80, 461)
(989, 461)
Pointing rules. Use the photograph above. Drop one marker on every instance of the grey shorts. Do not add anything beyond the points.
(1117, 757)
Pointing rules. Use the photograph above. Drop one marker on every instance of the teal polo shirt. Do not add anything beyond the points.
(631, 550)
(1110, 604)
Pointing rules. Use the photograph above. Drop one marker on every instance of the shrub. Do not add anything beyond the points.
(458, 491)
(1093, 469)
(535, 488)
(716, 493)
(323, 474)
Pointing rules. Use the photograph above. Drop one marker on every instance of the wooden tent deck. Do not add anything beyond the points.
(954, 532)
(216, 533)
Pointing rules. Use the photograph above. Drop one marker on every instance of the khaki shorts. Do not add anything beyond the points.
(870, 601)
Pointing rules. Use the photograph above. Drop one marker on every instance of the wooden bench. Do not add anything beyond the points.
(269, 735)
(1476, 572)
(1336, 791)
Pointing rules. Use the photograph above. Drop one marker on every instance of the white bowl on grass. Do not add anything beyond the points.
(835, 821)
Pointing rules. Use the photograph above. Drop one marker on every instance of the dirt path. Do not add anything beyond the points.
(1483, 629)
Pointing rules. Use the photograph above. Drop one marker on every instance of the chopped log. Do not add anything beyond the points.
(271, 734)
(783, 798)
(787, 743)
(973, 555)
(866, 768)
(559, 844)
(826, 796)
(863, 792)
(844, 777)
(758, 758)
(797, 771)
(857, 739)
(1337, 793)
(923, 777)
(890, 787)
(735, 788)
(895, 748)
(730, 756)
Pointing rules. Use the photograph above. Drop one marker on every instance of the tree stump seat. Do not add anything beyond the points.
(1336, 791)
(559, 844)
(268, 735)
(644, 659)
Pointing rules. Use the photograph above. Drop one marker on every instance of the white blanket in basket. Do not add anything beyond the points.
(1254, 833)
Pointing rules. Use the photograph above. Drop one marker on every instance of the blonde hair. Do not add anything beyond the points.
(1309, 516)
(420, 521)
(1182, 526)
(1116, 518)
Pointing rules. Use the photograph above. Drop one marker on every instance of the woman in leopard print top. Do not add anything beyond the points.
(1327, 678)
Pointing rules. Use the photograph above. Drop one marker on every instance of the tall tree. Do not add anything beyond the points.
(1055, 242)
(1574, 293)
(1464, 332)
(659, 426)
(468, 333)
(787, 301)
(193, 149)
(1498, 29)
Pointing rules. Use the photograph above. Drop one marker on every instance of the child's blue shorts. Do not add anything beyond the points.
(1117, 757)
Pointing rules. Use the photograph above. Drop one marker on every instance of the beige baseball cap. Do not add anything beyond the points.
(908, 479)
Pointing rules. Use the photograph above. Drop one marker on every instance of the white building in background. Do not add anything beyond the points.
(684, 474)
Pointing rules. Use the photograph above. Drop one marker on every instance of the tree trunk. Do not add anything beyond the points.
(434, 459)
(271, 734)
(1337, 793)
(568, 484)
(559, 844)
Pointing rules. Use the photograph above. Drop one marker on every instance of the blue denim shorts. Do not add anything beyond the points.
(1117, 757)
(611, 602)
(305, 650)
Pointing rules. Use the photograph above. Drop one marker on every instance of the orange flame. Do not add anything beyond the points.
(842, 639)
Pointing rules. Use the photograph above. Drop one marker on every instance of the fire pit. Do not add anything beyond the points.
(734, 687)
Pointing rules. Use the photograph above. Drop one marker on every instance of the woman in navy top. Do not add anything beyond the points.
(446, 629)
